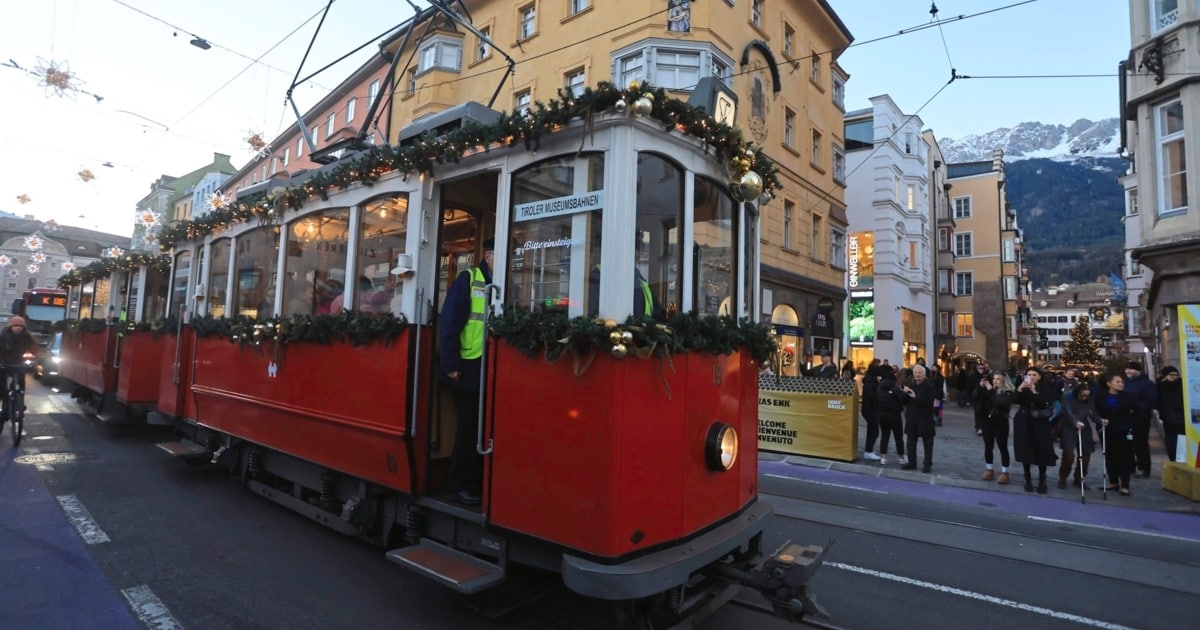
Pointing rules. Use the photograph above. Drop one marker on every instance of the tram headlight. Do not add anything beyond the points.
(720, 447)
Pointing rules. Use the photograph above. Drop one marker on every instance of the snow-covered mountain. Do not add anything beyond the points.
(1081, 139)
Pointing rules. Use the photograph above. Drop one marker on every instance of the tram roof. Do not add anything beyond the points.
(458, 116)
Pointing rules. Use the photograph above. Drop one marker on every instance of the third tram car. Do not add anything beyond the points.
(294, 340)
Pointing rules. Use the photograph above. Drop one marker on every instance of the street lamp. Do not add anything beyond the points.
(1013, 346)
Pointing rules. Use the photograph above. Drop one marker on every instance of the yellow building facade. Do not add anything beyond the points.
(779, 58)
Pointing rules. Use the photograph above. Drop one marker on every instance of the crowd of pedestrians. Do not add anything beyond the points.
(1057, 421)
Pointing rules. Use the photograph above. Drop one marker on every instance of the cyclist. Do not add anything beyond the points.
(15, 344)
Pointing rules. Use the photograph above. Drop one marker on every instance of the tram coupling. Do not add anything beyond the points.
(783, 579)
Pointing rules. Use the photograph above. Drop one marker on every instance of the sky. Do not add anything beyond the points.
(166, 106)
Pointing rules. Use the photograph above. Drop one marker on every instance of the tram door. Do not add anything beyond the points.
(467, 219)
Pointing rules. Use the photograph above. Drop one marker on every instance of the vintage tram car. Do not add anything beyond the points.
(301, 338)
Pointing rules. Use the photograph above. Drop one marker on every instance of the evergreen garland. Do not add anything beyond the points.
(554, 334)
(431, 150)
(87, 325)
(105, 267)
(353, 327)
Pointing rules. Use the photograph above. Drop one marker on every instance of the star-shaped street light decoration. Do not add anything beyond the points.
(51, 226)
(257, 144)
(86, 175)
(24, 199)
(56, 78)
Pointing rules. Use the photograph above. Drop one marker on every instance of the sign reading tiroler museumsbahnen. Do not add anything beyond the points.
(808, 416)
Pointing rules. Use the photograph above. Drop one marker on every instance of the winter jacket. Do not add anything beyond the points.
(1170, 403)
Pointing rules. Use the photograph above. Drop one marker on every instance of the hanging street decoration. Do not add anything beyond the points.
(38, 257)
(105, 267)
(5, 260)
(113, 252)
(23, 199)
(55, 77)
(257, 144)
(32, 268)
(13, 273)
(219, 201)
(149, 219)
(68, 266)
(33, 242)
(86, 175)
(650, 102)
(50, 226)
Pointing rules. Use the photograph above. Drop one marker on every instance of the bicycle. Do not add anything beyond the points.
(14, 399)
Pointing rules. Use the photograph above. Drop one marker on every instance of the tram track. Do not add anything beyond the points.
(794, 515)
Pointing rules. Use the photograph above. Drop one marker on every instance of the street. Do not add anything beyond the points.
(104, 530)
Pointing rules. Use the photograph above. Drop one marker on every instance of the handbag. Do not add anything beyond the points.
(1042, 414)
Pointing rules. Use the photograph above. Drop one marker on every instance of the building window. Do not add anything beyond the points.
(441, 54)
(839, 92)
(911, 202)
(314, 134)
(1010, 250)
(372, 92)
(287, 156)
(575, 80)
(1172, 167)
(837, 248)
(910, 144)
(816, 236)
(943, 239)
(330, 123)
(528, 21)
(521, 103)
(964, 325)
(964, 283)
(944, 281)
(789, 41)
(1010, 287)
(578, 6)
(756, 12)
(789, 209)
(816, 148)
(1164, 13)
(300, 145)
(1131, 202)
(483, 49)
(944, 319)
(351, 107)
(676, 70)
(630, 69)
(839, 165)
(412, 82)
(962, 207)
(789, 126)
(815, 71)
(962, 244)
(1132, 267)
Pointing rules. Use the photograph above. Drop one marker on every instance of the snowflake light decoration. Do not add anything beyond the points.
(56, 78)
(24, 199)
(113, 252)
(257, 144)
(68, 266)
(217, 201)
(33, 242)
(32, 268)
(5, 261)
(51, 226)
(13, 273)
(87, 175)
(149, 219)
(38, 257)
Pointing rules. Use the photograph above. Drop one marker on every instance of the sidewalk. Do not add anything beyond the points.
(958, 463)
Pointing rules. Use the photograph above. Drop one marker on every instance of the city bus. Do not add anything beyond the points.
(41, 308)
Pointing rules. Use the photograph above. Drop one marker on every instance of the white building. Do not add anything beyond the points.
(890, 234)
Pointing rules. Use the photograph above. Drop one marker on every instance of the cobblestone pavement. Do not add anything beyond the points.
(958, 463)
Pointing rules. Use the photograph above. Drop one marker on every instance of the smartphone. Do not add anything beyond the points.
(1027, 379)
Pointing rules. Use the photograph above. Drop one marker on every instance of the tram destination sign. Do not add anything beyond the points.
(560, 206)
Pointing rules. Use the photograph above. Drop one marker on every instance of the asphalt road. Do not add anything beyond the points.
(102, 530)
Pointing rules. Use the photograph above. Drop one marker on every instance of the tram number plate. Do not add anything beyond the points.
(717, 375)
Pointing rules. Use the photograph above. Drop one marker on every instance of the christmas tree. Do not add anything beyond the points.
(1082, 350)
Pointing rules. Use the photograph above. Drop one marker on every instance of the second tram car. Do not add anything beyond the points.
(300, 351)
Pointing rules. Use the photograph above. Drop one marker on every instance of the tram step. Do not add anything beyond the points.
(462, 572)
(184, 449)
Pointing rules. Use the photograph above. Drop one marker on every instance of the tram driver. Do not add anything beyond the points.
(645, 304)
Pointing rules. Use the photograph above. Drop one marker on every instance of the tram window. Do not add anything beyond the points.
(382, 238)
(156, 295)
(180, 272)
(316, 263)
(556, 246)
(87, 294)
(659, 215)
(255, 264)
(100, 298)
(218, 278)
(715, 250)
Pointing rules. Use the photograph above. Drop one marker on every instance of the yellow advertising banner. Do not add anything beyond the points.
(816, 424)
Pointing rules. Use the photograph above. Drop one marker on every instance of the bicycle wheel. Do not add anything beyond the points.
(17, 416)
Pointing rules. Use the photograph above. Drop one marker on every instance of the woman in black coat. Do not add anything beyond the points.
(1033, 440)
(1116, 411)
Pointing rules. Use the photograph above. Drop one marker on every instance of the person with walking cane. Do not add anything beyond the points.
(1116, 411)
(1076, 437)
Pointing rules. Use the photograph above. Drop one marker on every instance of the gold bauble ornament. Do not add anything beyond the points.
(619, 351)
(610, 323)
(749, 186)
(643, 106)
(614, 337)
(634, 85)
(626, 337)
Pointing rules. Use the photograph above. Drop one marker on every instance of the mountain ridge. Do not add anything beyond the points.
(1029, 140)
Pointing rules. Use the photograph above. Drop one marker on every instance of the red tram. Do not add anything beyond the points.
(300, 352)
